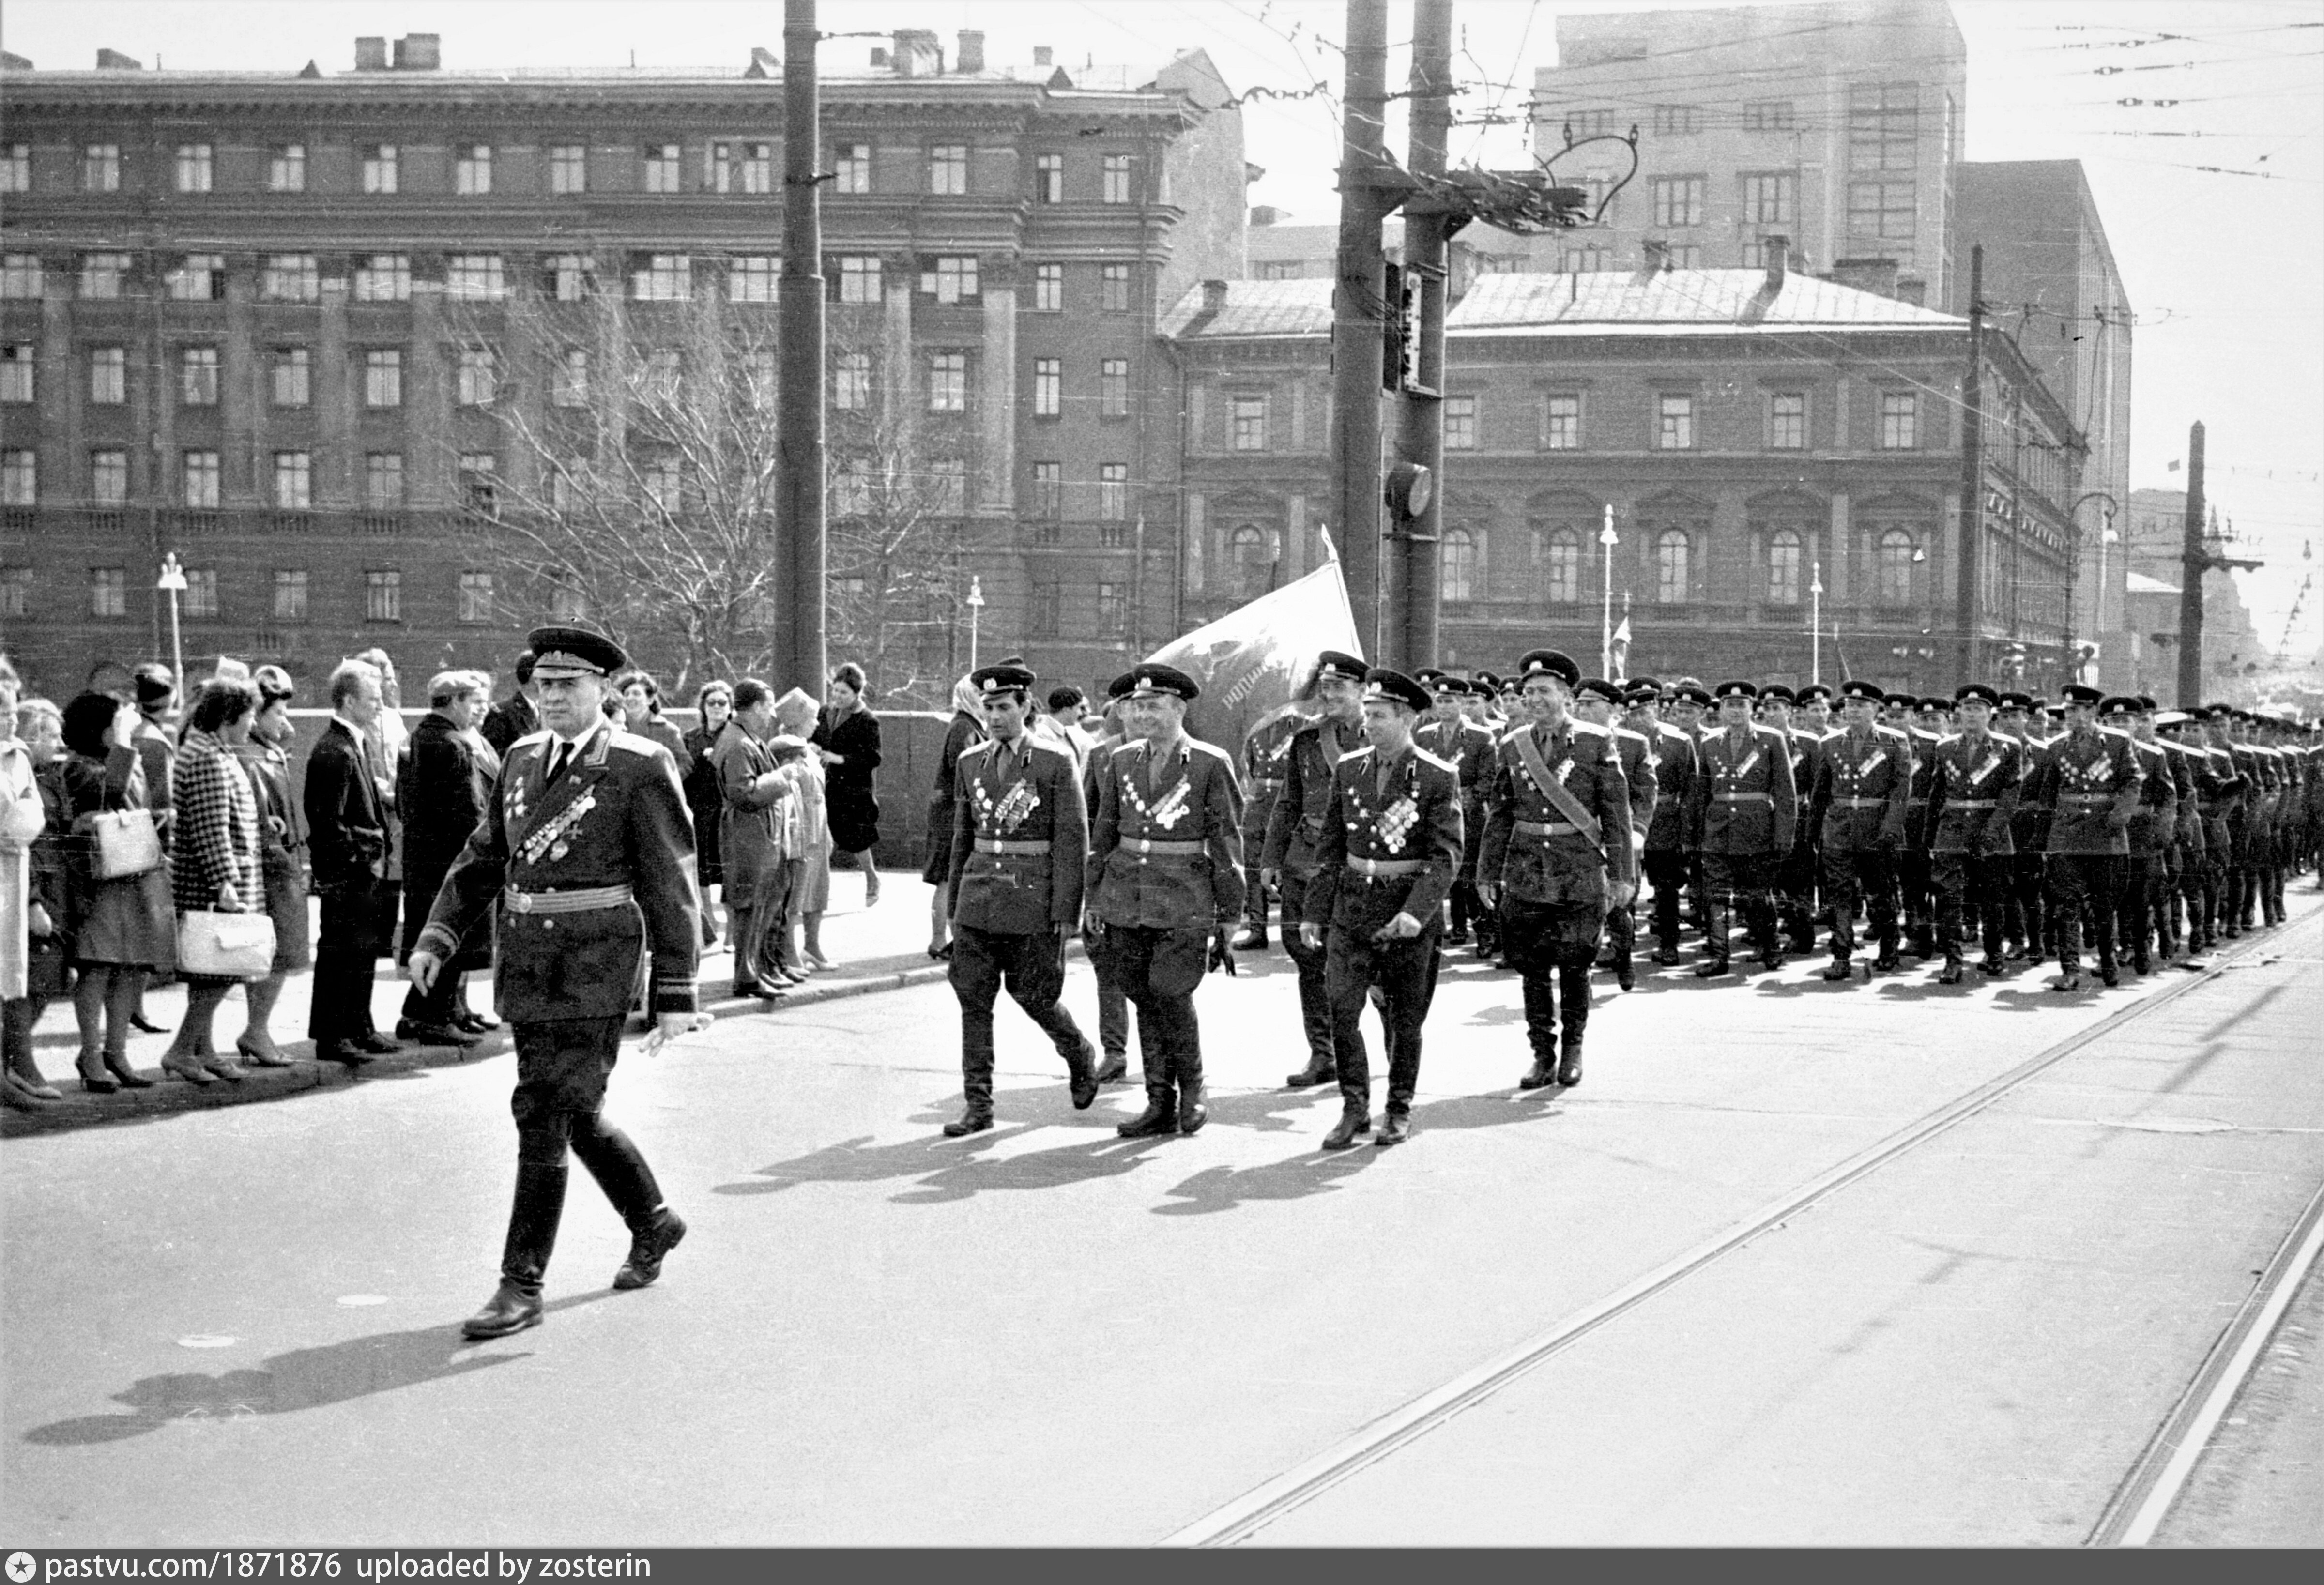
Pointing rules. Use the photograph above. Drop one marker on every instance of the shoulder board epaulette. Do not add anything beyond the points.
(1636, 737)
(1442, 764)
(1212, 750)
(1590, 727)
(1354, 754)
(1667, 730)
(531, 740)
(978, 748)
(1050, 746)
(1127, 744)
(631, 742)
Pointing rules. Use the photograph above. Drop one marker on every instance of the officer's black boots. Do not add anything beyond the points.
(648, 1247)
(540, 1205)
(1161, 1114)
(1191, 1113)
(1955, 969)
(1394, 1127)
(976, 1120)
(1540, 1077)
(1080, 1075)
(1569, 1058)
(1114, 1069)
(1353, 1121)
(1318, 1071)
(1839, 969)
(1252, 937)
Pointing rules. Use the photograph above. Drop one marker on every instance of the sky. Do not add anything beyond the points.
(2210, 184)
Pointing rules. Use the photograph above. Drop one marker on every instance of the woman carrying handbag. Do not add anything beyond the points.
(215, 871)
(120, 925)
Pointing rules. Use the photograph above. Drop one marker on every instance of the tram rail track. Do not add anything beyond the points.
(2141, 1500)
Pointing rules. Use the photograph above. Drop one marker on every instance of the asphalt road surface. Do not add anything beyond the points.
(240, 1325)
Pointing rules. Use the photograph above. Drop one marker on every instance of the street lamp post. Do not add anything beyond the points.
(975, 602)
(1815, 623)
(1606, 615)
(2107, 536)
(172, 582)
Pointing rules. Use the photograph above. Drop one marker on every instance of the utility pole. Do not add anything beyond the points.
(1357, 306)
(1413, 626)
(2194, 562)
(1972, 486)
(803, 645)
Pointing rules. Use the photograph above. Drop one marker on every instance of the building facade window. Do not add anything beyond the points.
(751, 279)
(948, 485)
(1881, 209)
(108, 375)
(1771, 198)
(950, 277)
(102, 275)
(294, 480)
(1460, 566)
(108, 592)
(1247, 549)
(1678, 200)
(1783, 556)
(200, 278)
(1249, 422)
(194, 162)
(1674, 565)
(383, 481)
(290, 594)
(15, 589)
(1114, 492)
(477, 276)
(1049, 387)
(480, 483)
(20, 478)
(850, 486)
(472, 170)
(1562, 431)
(1113, 609)
(108, 477)
(1045, 604)
(199, 480)
(1588, 259)
(16, 168)
(289, 278)
(1114, 179)
(662, 169)
(101, 167)
(570, 384)
(1049, 178)
(200, 599)
(20, 276)
(1767, 116)
(474, 605)
(477, 377)
(948, 169)
(859, 278)
(851, 168)
(383, 377)
(1677, 120)
(286, 168)
(1675, 421)
(1049, 490)
(1113, 288)
(382, 597)
(567, 277)
(381, 163)
(568, 168)
(851, 381)
(1883, 126)
(665, 373)
(1900, 421)
(1558, 552)
(1893, 566)
(16, 365)
(383, 278)
(1113, 388)
(663, 278)
(197, 376)
(1049, 289)
(1459, 423)
(947, 383)
(1787, 420)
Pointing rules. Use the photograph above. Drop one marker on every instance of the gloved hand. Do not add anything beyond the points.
(1221, 951)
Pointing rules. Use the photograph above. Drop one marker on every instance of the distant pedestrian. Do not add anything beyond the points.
(808, 839)
(641, 697)
(966, 731)
(214, 863)
(389, 733)
(349, 847)
(281, 861)
(32, 891)
(121, 927)
(515, 716)
(714, 704)
(849, 736)
(444, 785)
(751, 840)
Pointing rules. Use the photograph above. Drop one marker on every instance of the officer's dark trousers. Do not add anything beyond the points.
(351, 937)
(1112, 1008)
(1254, 844)
(1314, 990)
(1666, 868)
(2134, 903)
(1158, 970)
(1406, 973)
(1969, 897)
(2191, 867)
(561, 1069)
(1738, 883)
(1551, 946)
(1861, 884)
(1916, 879)
(2028, 920)
(2083, 888)
(1033, 968)
(1796, 885)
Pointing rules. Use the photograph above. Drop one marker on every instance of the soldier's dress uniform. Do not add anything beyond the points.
(1974, 782)
(1795, 879)
(2151, 826)
(2181, 918)
(1915, 873)
(1163, 880)
(2025, 922)
(1865, 791)
(1294, 832)
(2090, 779)
(2220, 787)
(1266, 758)
(587, 852)
(1556, 822)
(1636, 754)
(1677, 762)
(1391, 844)
(1746, 807)
(1019, 843)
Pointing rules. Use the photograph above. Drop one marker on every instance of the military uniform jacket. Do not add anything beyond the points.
(2153, 821)
(1746, 802)
(1163, 856)
(2186, 767)
(1531, 851)
(2090, 783)
(1807, 777)
(1974, 786)
(1019, 837)
(1265, 761)
(1677, 762)
(2029, 823)
(1295, 825)
(1411, 831)
(1918, 827)
(1638, 758)
(1865, 789)
(616, 818)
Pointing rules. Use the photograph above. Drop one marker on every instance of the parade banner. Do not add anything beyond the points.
(1260, 659)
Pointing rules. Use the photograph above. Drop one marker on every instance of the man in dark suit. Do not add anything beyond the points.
(347, 845)
(444, 781)
(1019, 839)
(515, 716)
(588, 851)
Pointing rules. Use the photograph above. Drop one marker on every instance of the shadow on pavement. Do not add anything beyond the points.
(303, 1378)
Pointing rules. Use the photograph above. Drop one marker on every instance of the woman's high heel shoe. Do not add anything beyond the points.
(97, 1083)
(261, 1053)
(128, 1077)
(189, 1070)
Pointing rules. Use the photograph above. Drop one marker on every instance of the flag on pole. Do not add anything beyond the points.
(1621, 648)
(1259, 659)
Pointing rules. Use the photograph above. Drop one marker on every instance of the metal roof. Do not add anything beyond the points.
(1255, 309)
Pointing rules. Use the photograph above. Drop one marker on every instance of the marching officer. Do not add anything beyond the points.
(2137, 914)
(1593, 701)
(1018, 844)
(1113, 1005)
(1974, 782)
(1915, 878)
(588, 851)
(1164, 888)
(1557, 856)
(1294, 833)
(1266, 753)
(1746, 808)
(1866, 792)
(2090, 781)
(1795, 871)
(1676, 764)
(2024, 921)
(1388, 854)
(2181, 918)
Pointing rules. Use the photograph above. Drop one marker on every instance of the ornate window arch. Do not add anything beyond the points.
(1458, 576)
(1248, 550)
(1893, 554)
(1786, 550)
(1673, 566)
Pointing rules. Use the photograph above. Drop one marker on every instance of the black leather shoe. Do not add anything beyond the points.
(1540, 1077)
(1888, 962)
(1158, 1118)
(1568, 1066)
(976, 1120)
(1350, 1124)
(647, 1249)
(1456, 938)
(1114, 1068)
(1667, 956)
(1395, 1129)
(1316, 1071)
(474, 1022)
(1993, 968)
(1711, 968)
(379, 1044)
(1955, 973)
(510, 1309)
(1625, 976)
(1082, 1080)
(2070, 981)
(1191, 1113)
(140, 1021)
(1771, 959)
(2109, 976)
(433, 1034)
(764, 990)
(1837, 970)
(343, 1052)
(1251, 938)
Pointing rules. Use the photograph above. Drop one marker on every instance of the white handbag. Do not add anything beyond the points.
(226, 947)
(121, 842)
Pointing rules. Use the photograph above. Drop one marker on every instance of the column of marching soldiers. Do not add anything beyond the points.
(1395, 816)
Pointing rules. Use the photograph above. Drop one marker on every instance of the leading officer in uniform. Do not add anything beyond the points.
(1164, 889)
(1389, 853)
(1746, 808)
(588, 851)
(1018, 843)
(1294, 831)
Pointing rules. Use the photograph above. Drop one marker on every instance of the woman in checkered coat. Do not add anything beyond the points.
(213, 861)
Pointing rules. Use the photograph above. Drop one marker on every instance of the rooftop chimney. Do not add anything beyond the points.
(763, 62)
(1657, 251)
(1912, 289)
(371, 54)
(1777, 252)
(419, 52)
(972, 51)
(1042, 54)
(1876, 276)
(114, 61)
(1214, 296)
(879, 56)
(916, 54)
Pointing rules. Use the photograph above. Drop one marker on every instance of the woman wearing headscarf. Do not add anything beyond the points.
(281, 861)
(967, 731)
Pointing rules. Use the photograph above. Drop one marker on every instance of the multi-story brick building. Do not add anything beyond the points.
(268, 321)
(1754, 432)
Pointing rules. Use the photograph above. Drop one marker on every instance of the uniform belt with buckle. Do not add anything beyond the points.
(1269, 783)
(1972, 803)
(1546, 829)
(993, 844)
(1376, 868)
(2086, 798)
(1744, 798)
(579, 899)
(1163, 850)
(1861, 803)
